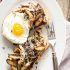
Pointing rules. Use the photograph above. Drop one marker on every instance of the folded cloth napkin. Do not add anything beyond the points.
(65, 64)
(0, 0)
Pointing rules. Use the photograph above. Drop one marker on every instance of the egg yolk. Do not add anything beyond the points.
(17, 29)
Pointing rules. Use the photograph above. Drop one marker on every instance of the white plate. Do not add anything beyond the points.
(59, 23)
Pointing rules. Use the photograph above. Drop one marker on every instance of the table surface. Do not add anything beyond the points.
(65, 6)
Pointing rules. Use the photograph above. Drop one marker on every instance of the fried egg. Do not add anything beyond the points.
(16, 27)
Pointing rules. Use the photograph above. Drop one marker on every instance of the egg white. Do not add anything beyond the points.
(8, 24)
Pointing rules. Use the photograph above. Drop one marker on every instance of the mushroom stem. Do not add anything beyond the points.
(22, 52)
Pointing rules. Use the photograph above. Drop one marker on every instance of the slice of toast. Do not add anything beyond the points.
(25, 56)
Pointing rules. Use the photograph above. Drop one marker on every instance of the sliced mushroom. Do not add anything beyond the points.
(45, 20)
(27, 66)
(39, 48)
(31, 17)
(22, 52)
(21, 62)
(14, 56)
(13, 68)
(24, 6)
(39, 21)
(12, 62)
(17, 50)
(38, 16)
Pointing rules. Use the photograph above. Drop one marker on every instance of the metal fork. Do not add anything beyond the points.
(52, 38)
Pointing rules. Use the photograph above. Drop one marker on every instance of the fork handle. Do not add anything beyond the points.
(55, 63)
